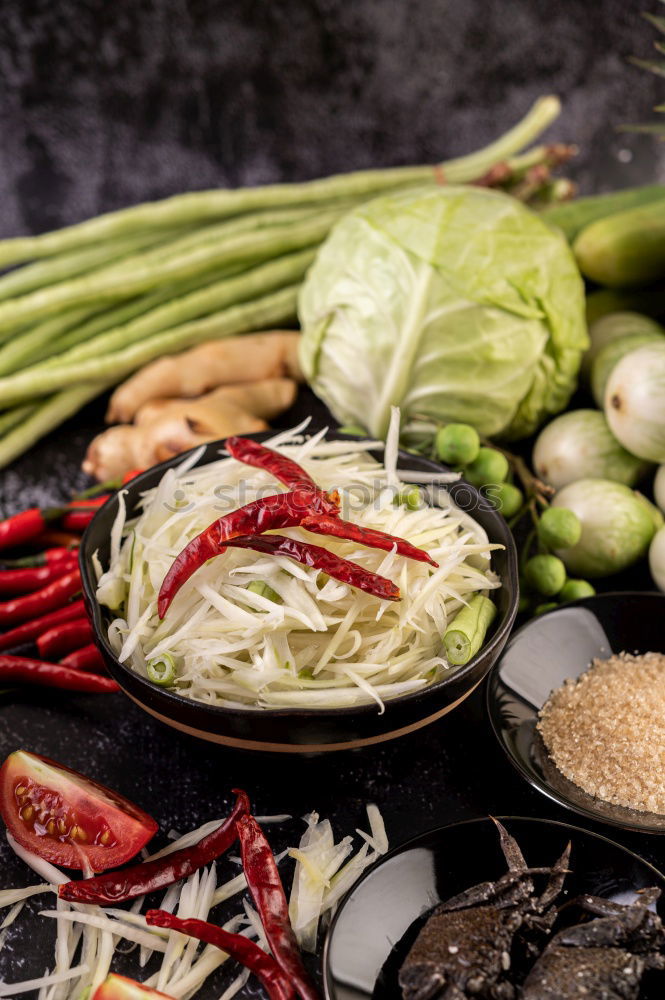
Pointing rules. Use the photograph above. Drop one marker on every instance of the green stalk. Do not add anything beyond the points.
(278, 307)
(67, 265)
(11, 418)
(112, 318)
(200, 303)
(114, 284)
(38, 341)
(468, 168)
(45, 417)
(201, 206)
(252, 222)
(35, 344)
(47, 349)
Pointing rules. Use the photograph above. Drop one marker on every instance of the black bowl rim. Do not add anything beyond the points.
(497, 639)
(492, 712)
(437, 831)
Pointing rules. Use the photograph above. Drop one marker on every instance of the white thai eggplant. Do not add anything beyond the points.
(635, 402)
(580, 445)
(617, 526)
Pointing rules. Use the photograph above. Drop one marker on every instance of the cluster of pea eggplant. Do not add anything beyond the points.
(543, 574)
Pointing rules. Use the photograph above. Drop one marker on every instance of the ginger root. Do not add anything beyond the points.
(247, 358)
(165, 427)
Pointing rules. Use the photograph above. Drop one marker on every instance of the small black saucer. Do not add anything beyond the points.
(539, 657)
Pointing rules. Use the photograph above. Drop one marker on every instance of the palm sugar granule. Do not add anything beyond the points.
(605, 731)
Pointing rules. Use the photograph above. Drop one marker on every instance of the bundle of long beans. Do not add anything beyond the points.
(96, 300)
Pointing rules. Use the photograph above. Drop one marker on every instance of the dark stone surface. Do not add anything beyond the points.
(104, 104)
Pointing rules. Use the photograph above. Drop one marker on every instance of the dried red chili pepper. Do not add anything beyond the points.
(30, 630)
(64, 637)
(282, 468)
(29, 579)
(267, 891)
(22, 669)
(86, 657)
(284, 510)
(319, 558)
(53, 596)
(149, 876)
(323, 524)
(237, 946)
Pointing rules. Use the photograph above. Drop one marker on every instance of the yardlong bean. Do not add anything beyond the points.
(76, 262)
(275, 309)
(199, 303)
(113, 284)
(30, 343)
(200, 206)
(45, 417)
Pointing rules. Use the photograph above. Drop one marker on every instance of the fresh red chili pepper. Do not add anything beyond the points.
(22, 669)
(86, 657)
(282, 468)
(49, 557)
(132, 474)
(149, 876)
(30, 630)
(64, 637)
(284, 510)
(267, 891)
(77, 520)
(60, 538)
(21, 528)
(319, 558)
(237, 946)
(27, 580)
(322, 524)
(88, 503)
(53, 596)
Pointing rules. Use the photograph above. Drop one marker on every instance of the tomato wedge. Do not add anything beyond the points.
(117, 987)
(69, 819)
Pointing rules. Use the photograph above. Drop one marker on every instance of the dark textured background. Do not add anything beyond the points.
(107, 103)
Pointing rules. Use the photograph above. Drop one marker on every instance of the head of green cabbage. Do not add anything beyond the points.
(453, 303)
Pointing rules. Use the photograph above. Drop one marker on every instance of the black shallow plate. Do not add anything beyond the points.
(307, 730)
(539, 657)
(379, 919)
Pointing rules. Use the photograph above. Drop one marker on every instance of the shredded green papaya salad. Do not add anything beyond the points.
(253, 627)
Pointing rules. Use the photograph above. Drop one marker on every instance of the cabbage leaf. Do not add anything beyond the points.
(455, 304)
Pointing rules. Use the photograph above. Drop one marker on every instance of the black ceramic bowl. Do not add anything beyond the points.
(378, 921)
(306, 730)
(539, 657)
